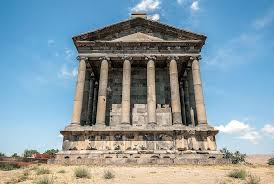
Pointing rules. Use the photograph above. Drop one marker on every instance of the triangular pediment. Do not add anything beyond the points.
(139, 29)
(138, 37)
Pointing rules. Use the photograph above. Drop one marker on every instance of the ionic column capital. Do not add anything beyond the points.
(80, 58)
(126, 57)
(104, 58)
(150, 57)
(92, 76)
(169, 58)
(192, 58)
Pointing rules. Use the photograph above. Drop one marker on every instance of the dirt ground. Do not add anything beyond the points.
(142, 174)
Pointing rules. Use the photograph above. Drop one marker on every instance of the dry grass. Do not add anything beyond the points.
(238, 174)
(191, 174)
(82, 172)
(252, 179)
(44, 180)
(42, 170)
(108, 174)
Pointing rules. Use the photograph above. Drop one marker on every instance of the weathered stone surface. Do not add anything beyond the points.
(79, 93)
(143, 103)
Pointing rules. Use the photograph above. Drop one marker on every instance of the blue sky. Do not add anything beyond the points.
(38, 65)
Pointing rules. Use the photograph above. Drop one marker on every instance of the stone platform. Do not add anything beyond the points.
(139, 145)
(88, 157)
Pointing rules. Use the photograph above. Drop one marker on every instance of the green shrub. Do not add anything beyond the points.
(271, 161)
(81, 172)
(238, 173)
(108, 174)
(8, 166)
(235, 158)
(253, 179)
(2, 154)
(51, 151)
(44, 180)
(14, 155)
(62, 171)
(29, 153)
(42, 170)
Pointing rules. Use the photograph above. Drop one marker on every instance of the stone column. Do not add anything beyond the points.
(125, 112)
(151, 92)
(102, 94)
(90, 99)
(95, 99)
(199, 98)
(187, 103)
(192, 103)
(183, 107)
(79, 92)
(175, 93)
(84, 114)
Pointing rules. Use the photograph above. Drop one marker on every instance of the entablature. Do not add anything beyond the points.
(189, 46)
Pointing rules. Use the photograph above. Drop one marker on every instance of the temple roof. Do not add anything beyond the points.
(139, 29)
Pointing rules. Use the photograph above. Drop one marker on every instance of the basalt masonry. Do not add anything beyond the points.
(139, 98)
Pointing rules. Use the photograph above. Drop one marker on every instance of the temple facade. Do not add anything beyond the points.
(139, 97)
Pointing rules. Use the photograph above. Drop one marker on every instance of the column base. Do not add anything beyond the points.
(177, 118)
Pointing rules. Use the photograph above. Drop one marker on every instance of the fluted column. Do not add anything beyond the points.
(151, 92)
(187, 103)
(125, 113)
(79, 92)
(175, 93)
(199, 98)
(102, 94)
(90, 99)
(95, 100)
(182, 97)
(192, 103)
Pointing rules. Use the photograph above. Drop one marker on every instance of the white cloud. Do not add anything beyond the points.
(180, 1)
(67, 73)
(195, 6)
(264, 21)
(147, 5)
(241, 130)
(233, 126)
(268, 129)
(252, 136)
(155, 17)
(51, 42)
(68, 53)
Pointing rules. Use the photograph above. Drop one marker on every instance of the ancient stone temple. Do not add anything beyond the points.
(139, 97)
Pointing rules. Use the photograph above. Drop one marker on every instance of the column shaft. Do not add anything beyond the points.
(125, 113)
(102, 94)
(95, 100)
(199, 97)
(187, 103)
(192, 103)
(90, 99)
(175, 93)
(84, 114)
(183, 108)
(151, 92)
(79, 93)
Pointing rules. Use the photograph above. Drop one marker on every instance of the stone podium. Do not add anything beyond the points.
(139, 97)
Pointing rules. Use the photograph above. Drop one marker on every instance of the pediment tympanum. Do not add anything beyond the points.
(138, 37)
